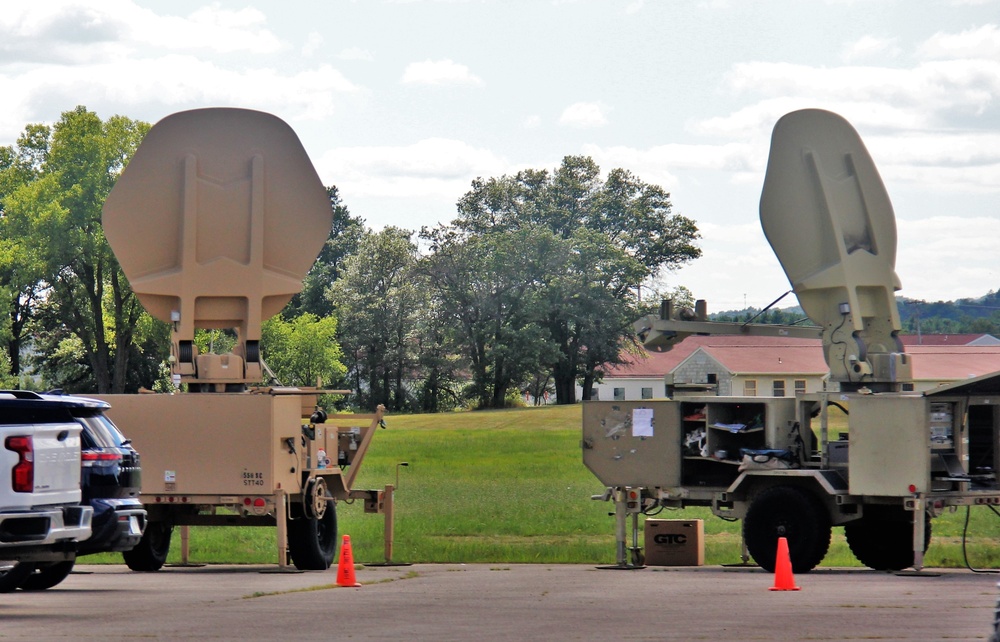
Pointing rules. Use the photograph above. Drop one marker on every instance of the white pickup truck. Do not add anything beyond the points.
(41, 519)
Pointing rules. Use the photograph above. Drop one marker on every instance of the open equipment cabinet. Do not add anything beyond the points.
(216, 220)
(771, 462)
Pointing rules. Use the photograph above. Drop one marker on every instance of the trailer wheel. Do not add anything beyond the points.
(312, 542)
(792, 513)
(150, 553)
(316, 498)
(883, 538)
(45, 576)
(12, 576)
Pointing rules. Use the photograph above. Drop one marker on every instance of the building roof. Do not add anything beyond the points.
(780, 359)
(656, 364)
(744, 355)
(952, 363)
(949, 339)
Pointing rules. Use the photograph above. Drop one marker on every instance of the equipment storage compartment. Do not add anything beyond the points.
(715, 429)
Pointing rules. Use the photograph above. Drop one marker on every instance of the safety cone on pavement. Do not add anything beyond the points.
(345, 567)
(783, 580)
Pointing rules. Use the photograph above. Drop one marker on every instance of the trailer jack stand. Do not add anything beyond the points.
(628, 558)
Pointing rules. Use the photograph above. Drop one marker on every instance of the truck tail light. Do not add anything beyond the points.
(23, 472)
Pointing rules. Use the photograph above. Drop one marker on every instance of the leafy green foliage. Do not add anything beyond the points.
(345, 236)
(303, 351)
(539, 272)
(377, 301)
(52, 189)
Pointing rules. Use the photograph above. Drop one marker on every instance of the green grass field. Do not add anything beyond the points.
(509, 486)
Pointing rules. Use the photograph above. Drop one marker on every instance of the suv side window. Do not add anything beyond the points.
(101, 434)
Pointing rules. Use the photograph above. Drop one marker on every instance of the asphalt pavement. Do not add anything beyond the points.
(501, 602)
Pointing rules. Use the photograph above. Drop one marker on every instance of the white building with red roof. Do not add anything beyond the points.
(736, 365)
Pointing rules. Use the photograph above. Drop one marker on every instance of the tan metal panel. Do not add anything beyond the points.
(890, 446)
(214, 444)
(617, 453)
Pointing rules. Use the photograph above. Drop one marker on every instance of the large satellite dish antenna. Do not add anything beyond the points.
(827, 215)
(215, 221)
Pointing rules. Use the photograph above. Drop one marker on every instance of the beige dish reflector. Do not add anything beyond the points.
(826, 214)
(217, 219)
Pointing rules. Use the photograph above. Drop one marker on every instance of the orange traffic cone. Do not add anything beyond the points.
(345, 567)
(783, 580)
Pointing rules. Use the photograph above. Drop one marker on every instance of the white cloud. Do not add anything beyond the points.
(81, 31)
(117, 57)
(634, 7)
(739, 249)
(659, 164)
(439, 72)
(933, 96)
(433, 167)
(313, 43)
(584, 115)
(869, 47)
(532, 121)
(947, 257)
(980, 42)
(355, 53)
(212, 28)
(173, 81)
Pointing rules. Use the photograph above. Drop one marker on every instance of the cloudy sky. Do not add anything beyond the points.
(402, 103)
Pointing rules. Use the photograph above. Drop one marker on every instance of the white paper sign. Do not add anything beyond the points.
(642, 422)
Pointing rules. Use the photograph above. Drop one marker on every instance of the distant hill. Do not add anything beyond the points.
(978, 315)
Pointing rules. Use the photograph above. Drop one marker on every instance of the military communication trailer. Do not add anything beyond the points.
(216, 220)
(772, 462)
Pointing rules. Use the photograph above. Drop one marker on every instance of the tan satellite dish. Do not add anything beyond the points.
(827, 215)
(216, 220)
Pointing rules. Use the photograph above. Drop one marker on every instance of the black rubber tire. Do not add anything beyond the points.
(792, 513)
(45, 576)
(150, 554)
(883, 538)
(312, 543)
(11, 578)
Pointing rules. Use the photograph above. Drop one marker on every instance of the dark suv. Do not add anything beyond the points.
(111, 480)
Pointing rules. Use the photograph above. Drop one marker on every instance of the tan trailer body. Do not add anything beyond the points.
(221, 448)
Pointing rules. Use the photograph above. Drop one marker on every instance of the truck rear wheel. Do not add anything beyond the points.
(45, 576)
(792, 513)
(150, 554)
(312, 542)
(12, 576)
(883, 538)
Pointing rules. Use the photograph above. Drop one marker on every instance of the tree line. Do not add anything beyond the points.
(530, 289)
(963, 316)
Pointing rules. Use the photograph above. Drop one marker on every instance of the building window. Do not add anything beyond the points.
(908, 387)
(595, 394)
(647, 393)
(750, 388)
(800, 386)
(619, 394)
(779, 388)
